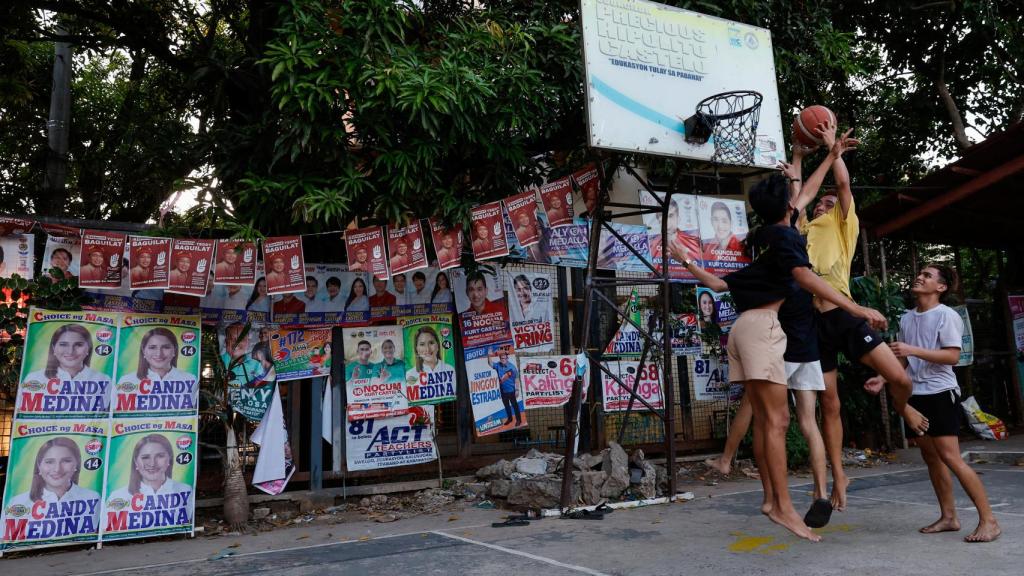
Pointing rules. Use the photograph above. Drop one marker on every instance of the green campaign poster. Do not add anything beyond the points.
(429, 358)
(157, 365)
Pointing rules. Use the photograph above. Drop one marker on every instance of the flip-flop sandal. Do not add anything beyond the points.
(512, 521)
(603, 508)
(582, 514)
(819, 514)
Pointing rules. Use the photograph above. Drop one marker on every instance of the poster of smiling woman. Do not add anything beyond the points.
(157, 365)
(150, 478)
(54, 482)
(68, 365)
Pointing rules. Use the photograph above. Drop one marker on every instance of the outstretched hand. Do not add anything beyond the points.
(828, 132)
(874, 385)
(789, 171)
(843, 144)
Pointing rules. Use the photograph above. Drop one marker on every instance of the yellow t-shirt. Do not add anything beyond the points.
(831, 243)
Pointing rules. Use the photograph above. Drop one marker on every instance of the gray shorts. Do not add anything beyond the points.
(805, 376)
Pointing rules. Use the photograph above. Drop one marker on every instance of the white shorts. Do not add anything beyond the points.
(805, 376)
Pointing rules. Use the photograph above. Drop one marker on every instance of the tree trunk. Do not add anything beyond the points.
(236, 498)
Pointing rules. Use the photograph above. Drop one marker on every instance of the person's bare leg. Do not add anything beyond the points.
(760, 457)
(771, 401)
(948, 448)
(832, 431)
(737, 430)
(805, 403)
(942, 483)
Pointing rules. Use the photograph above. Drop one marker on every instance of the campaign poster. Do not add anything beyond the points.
(151, 476)
(683, 228)
(274, 464)
(191, 261)
(967, 345)
(1016, 302)
(429, 358)
(9, 225)
(488, 231)
(556, 197)
(723, 226)
(68, 365)
(495, 388)
(102, 253)
(547, 380)
(157, 365)
(715, 308)
(522, 213)
(386, 442)
(627, 341)
(282, 257)
(483, 311)
(710, 378)
(569, 245)
(375, 372)
(685, 334)
(247, 359)
(17, 256)
(648, 385)
(332, 295)
(589, 184)
(301, 353)
(52, 459)
(447, 243)
(406, 249)
(531, 311)
(540, 253)
(365, 250)
(235, 262)
(613, 253)
(64, 253)
(149, 261)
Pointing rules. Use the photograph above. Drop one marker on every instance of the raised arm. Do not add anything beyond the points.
(842, 178)
(681, 254)
(813, 283)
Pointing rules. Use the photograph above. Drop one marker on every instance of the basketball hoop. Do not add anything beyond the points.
(730, 118)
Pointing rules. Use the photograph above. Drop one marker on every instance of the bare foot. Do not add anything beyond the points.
(840, 483)
(718, 465)
(941, 525)
(792, 522)
(766, 509)
(985, 532)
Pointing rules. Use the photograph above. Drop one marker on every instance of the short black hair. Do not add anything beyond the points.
(334, 281)
(948, 277)
(770, 198)
(419, 275)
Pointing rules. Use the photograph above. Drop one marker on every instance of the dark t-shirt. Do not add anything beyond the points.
(797, 318)
(769, 277)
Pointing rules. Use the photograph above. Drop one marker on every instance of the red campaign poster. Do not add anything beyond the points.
(101, 255)
(235, 263)
(447, 244)
(365, 249)
(406, 248)
(61, 230)
(489, 239)
(557, 200)
(10, 225)
(190, 266)
(286, 268)
(148, 261)
(589, 185)
(522, 213)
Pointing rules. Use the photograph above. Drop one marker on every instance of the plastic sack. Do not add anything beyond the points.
(984, 425)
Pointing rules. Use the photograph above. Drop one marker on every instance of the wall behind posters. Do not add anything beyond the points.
(69, 409)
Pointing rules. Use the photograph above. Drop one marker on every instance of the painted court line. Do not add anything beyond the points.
(931, 505)
(273, 551)
(806, 484)
(523, 554)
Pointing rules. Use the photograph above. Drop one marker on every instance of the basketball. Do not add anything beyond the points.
(805, 124)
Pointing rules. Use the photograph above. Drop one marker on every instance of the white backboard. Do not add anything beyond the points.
(648, 65)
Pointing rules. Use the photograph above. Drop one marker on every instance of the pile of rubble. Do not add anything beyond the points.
(535, 480)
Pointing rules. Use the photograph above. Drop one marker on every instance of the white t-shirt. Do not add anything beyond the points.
(86, 374)
(938, 328)
(76, 492)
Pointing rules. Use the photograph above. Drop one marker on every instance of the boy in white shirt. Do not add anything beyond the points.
(929, 346)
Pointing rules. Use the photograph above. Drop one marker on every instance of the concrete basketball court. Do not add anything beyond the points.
(719, 532)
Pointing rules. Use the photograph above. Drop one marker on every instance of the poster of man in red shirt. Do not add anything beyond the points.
(590, 186)
(365, 249)
(286, 268)
(488, 231)
(406, 248)
(101, 253)
(235, 263)
(149, 261)
(522, 213)
(682, 229)
(723, 226)
(556, 196)
(190, 267)
(447, 244)
(483, 311)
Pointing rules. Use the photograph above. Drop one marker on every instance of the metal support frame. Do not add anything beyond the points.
(658, 349)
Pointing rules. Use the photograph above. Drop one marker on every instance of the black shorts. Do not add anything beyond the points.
(942, 411)
(840, 331)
